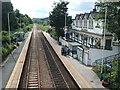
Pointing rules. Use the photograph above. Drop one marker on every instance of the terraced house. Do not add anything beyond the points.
(87, 37)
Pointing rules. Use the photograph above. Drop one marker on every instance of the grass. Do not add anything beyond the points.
(51, 31)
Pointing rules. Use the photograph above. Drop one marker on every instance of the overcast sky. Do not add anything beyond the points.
(41, 8)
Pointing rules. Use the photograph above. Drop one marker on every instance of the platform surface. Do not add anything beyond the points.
(8, 64)
(14, 79)
(83, 75)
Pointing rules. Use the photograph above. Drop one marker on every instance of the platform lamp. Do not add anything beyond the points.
(9, 31)
(65, 30)
(9, 27)
(65, 21)
(105, 7)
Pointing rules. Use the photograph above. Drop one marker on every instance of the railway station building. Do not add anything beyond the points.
(86, 36)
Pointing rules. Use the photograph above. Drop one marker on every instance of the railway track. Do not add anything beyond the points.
(42, 68)
(33, 70)
(56, 74)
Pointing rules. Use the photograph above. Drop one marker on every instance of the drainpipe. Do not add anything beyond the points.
(83, 56)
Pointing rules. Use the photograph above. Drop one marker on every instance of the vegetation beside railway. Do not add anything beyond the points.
(110, 76)
(111, 71)
(19, 25)
(49, 30)
(58, 20)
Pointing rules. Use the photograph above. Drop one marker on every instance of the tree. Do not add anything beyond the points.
(113, 26)
(13, 21)
(57, 17)
(14, 17)
(6, 7)
(113, 16)
(16, 20)
(17, 13)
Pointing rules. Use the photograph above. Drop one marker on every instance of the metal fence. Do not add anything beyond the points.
(107, 59)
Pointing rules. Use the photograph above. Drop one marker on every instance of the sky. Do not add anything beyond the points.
(41, 8)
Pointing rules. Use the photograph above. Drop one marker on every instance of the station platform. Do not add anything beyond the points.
(83, 75)
(15, 76)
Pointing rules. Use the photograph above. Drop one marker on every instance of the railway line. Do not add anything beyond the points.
(43, 68)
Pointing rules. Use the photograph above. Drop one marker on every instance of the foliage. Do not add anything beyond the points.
(18, 23)
(57, 17)
(49, 30)
(113, 16)
(52, 33)
(110, 74)
(6, 7)
(113, 26)
(5, 44)
(43, 25)
(16, 19)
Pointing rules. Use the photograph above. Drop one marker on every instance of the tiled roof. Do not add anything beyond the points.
(93, 14)
(77, 16)
(86, 15)
(81, 16)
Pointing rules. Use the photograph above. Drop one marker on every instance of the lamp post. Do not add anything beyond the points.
(65, 21)
(9, 32)
(65, 30)
(9, 28)
(104, 41)
(20, 21)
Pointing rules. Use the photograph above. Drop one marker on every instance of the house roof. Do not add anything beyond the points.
(81, 16)
(86, 15)
(77, 16)
(93, 14)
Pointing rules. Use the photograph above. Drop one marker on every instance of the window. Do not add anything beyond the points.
(76, 23)
(108, 44)
(85, 23)
(91, 24)
(80, 22)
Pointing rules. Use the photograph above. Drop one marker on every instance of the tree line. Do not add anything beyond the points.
(112, 16)
(17, 19)
(18, 22)
(58, 16)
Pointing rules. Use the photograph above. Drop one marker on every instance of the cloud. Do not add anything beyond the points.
(84, 7)
(41, 8)
(80, 6)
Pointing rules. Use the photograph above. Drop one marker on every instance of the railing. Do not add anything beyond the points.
(107, 59)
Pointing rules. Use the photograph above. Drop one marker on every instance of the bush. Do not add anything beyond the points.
(110, 73)
(5, 53)
(4, 50)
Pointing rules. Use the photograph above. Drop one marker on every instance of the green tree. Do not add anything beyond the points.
(6, 7)
(17, 13)
(113, 26)
(113, 16)
(57, 17)
(16, 20)
(13, 22)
